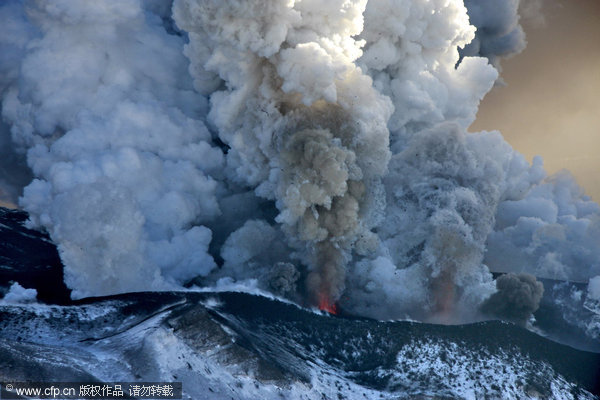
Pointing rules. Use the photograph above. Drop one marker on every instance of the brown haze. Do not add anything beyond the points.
(551, 104)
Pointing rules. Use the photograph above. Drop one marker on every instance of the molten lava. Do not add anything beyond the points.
(326, 305)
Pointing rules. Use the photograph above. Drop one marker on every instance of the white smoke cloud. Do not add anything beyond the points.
(17, 294)
(114, 136)
(14, 172)
(411, 52)
(304, 125)
(443, 191)
(594, 288)
(316, 149)
(551, 231)
(499, 34)
(16, 33)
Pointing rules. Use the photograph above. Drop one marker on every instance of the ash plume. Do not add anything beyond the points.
(517, 298)
(315, 149)
(101, 104)
(321, 189)
(304, 125)
(499, 34)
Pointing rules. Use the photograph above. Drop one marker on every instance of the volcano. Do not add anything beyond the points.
(247, 346)
(283, 199)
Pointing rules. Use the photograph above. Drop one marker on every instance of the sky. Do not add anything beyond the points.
(550, 105)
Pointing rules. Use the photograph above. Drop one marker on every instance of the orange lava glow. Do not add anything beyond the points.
(326, 305)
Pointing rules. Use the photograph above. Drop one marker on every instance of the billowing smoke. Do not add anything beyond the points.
(113, 131)
(14, 172)
(16, 33)
(551, 230)
(517, 298)
(304, 125)
(315, 149)
(17, 294)
(499, 34)
(321, 190)
(440, 213)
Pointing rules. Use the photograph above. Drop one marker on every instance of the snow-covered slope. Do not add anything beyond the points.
(237, 345)
(243, 346)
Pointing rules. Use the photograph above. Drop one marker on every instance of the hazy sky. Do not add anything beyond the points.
(551, 104)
